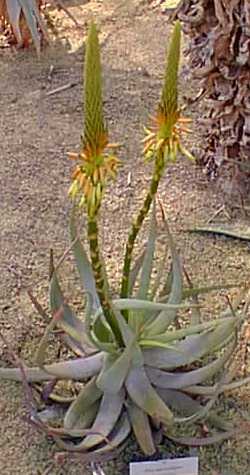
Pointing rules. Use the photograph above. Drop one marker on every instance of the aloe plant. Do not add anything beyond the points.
(141, 370)
(25, 21)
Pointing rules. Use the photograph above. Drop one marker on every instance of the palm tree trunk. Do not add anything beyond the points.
(219, 52)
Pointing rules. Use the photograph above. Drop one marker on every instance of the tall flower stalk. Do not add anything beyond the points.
(162, 143)
(96, 164)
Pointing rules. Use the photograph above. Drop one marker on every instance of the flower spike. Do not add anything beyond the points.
(168, 126)
(95, 166)
(169, 97)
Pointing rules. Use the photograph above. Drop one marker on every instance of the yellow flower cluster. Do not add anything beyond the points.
(165, 135)
(91, 174)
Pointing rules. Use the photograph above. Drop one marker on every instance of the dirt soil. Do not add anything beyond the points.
(37, 130)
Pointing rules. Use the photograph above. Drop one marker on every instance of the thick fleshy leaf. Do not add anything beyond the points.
(41, 350)
(147, 265)
(114, 373)
(135, 271)
(138, 304)
(68, 321)
(193, 293)
(163, 379)
(83, 264)
(204, 411)
(97, 334)
(203, 441)
(164, 294)
(108, 360)
(209, 391)
(84, 420)
(73, 345)
(102, 346)
(107, 416)
(231, 231)
(144, 395)
(196, 291)
(76, 335)
(155, 344)
(179, 402)
(102, 330)
(141, 427)
(202, 414)
(127, 333)
(75, 328)
(186, 405)
(166, 317)
(160, 273)
(136, 319)
(77, 369)
(78, 409)
(195, 314)
(191, 349)
(176, 335)
(118, 435)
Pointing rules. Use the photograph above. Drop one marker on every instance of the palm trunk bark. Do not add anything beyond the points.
(219, 52)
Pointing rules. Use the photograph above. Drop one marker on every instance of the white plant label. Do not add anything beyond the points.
(180, 466)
